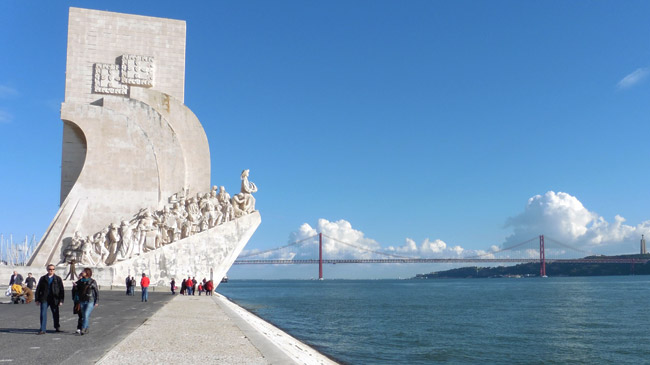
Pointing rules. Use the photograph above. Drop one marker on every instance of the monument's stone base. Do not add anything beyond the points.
(208, 254)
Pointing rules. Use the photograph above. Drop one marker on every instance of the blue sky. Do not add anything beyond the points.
(463, 123)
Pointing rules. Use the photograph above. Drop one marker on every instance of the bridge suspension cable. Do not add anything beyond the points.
(386, 254)
(369, 250)
(279, 248)
(505, 248)
(397, 259)
(566, 245)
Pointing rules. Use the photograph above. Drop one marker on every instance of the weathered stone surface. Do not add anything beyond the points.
(207, 255)
(129, 144)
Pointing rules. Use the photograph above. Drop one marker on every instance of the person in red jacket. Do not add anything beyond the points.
(144, 284)
(209, 287)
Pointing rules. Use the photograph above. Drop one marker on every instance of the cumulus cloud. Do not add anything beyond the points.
(429, 248)
(341, 241)
(569, 227)
(634, 78)
(564, 218)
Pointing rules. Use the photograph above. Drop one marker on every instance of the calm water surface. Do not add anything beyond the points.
(593, 320)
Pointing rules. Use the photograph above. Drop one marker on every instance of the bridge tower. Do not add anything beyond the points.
(320, 256)
(542, 257)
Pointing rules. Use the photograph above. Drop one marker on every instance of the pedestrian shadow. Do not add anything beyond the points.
(19, 330)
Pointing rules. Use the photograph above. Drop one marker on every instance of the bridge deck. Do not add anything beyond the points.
(440, 260)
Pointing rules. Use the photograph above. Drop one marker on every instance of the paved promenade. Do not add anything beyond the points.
(167, 329)
(115, 318)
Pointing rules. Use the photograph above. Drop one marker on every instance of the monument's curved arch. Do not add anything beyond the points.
(74, 146)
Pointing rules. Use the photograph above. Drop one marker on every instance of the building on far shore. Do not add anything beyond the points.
(643, 250)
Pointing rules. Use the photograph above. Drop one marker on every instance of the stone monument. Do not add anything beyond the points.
(135, 172)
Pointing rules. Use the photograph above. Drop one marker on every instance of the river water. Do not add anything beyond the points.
(590, 320)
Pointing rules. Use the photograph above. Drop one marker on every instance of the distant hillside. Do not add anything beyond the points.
(552, 269)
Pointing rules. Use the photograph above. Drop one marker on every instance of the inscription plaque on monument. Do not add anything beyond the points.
(137, 70)
(107, 80)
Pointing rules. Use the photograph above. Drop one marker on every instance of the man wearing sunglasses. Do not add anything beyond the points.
(50, 292)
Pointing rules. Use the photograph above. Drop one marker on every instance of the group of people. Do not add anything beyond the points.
(144, 286)
(130, 285)
(184, 216)
(21, 291)
(191, 286)
(50, 293)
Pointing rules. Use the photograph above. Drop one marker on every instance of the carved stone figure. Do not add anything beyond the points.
(212, 214)
(186, 229)
(99, 243)
(194, 215)
(181, 217)
(177, 197)
(204, 225)
(226, 206)
(168, 226)
(247, 190)
(113, 243)
(147, 233)
(87, 252)
(126, 244)
(73, 250)
(238, 205)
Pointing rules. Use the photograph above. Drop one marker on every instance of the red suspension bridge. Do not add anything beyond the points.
(391, 258)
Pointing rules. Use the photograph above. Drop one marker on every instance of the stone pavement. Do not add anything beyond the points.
(115, 318)
(195, 329)
(167, 329)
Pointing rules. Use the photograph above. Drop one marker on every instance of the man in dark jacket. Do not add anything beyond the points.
(30, 281)
(128, 285)
(50, 292)
(16, 278)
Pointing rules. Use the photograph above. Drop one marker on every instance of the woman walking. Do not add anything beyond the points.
(85, 294)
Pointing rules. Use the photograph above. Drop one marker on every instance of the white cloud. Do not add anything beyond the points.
(634, 78)
(559, 216)
(409, 247)
(564, 218)
(341, 241)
